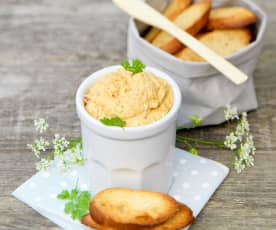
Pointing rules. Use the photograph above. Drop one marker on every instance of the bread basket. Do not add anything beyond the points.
(205, 92)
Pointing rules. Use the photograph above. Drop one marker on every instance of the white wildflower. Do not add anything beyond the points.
(42, 144)
(244, 151)
(244, 123)
(43, 165)
(240, 131)
(244, 115)
(230, 141)
(231, 113)
(250, 142)
(242, 128)
(39, 145)
(246, 154)
(249, 161)
(59, 144)
(35, 150)
(62, 165)
(75, 154)
(41, 125)
(239, 165)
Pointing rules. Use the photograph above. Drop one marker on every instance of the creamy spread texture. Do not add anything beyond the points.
(138, 99)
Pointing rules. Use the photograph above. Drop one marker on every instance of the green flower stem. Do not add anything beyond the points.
(183, 128)
(184, 139)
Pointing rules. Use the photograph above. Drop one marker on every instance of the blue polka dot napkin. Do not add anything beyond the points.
(195, 180)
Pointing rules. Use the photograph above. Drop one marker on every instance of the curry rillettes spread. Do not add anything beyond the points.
(138, 99)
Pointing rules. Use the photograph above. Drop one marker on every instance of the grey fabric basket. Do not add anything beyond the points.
(205, 91)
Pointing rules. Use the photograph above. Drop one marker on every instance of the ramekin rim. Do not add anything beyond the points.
(83, 114)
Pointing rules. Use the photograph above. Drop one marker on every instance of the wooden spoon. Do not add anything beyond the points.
(145, 13)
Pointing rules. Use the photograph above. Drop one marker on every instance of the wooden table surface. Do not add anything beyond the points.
(48, 47)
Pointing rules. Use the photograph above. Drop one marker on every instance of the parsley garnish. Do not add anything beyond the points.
(135, 67)
(115, 121)
(78, 202)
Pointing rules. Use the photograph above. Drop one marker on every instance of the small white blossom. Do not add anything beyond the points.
(65, 154)
(59, 144)
(35, 150)
(244, 115)
(249, 161)
(231, 113)
(62, 165)
(43, 165)
(75, 154)
(39, 145)
(240, 131)
(42, 144)
(250, 142)
(245, 151)
(41, 125)
(239, 165)
(230, 141)
(244, 123)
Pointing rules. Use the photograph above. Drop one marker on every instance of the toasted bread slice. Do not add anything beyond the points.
(192, 20)
(134, 207)
(181, 219)
(230, 17)
(174, 8)
(223, 42)
(90, 222)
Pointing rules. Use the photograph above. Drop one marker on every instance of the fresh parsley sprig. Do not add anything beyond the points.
(114, 121)
(135, 67)
(78, 202)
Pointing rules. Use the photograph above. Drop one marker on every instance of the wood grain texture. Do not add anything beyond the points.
(49, 47)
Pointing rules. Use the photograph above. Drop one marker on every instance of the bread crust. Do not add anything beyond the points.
(170, 44)
(88, 221)
(181, 219)
(104, 210)
(174, 8)
(223, 42)
(230, 18)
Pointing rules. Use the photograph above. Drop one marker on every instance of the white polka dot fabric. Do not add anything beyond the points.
(195, 180)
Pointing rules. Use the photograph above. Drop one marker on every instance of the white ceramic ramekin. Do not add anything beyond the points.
(135, 157)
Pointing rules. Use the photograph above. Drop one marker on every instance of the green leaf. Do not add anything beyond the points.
(193, 151)
(69, 207)
(75, 214)
(84, 196)
(115, 121)
(78, 203)
(74, 142)
(195, 120)
(74, 193)
(64, 195)
(83, 200)
(81, 213)
(135, 67)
